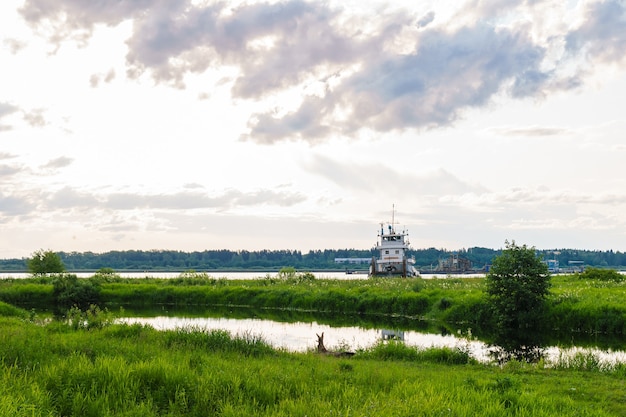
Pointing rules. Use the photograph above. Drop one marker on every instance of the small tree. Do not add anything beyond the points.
(45, 262)
(517, 285)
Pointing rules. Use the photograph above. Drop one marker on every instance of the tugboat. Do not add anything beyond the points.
(393, 247)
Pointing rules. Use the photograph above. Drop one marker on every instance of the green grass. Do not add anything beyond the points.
(133, 370)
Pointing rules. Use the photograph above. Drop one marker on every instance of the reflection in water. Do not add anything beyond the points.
(386, 334)
(300, 336)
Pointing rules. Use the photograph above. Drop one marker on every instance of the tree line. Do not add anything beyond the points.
(275, 259)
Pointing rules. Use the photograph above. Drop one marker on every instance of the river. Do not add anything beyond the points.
(301, 336)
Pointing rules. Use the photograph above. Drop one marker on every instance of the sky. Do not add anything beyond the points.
(302, 125)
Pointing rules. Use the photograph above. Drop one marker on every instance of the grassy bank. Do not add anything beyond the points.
(577, 307)
(121, 370)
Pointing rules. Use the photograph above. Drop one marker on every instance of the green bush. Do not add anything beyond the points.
(70, 291)
(598, 274)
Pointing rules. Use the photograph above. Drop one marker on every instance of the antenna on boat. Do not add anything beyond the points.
(393, 218)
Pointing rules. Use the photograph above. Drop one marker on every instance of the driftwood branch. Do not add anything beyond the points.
(322, 349)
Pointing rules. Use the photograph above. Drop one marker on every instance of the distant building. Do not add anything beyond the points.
(553, 265)
(454, 264)
(576, 266)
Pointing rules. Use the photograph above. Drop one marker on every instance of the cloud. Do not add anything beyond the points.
(6, 155)
(8, 171)
(193, 200)
(14, 45)
(6, 109)
(530, 131)
(386, 181)
(60, 162)
(602, 35)
(69, 15)
(426, 19)
(35, 118)
(447, 73)
(70, 198)
(16, 205)
(95, 79)
(391, 71)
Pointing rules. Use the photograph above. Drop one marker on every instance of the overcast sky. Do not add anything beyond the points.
(244, 125)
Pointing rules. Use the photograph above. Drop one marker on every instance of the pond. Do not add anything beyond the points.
(300, 336)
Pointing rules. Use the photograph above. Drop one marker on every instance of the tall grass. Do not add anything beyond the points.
(124, 370)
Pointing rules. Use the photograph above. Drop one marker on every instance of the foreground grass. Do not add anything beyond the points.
(131, 370)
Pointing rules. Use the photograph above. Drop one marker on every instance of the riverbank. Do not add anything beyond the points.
(132, 370)
(577, 309)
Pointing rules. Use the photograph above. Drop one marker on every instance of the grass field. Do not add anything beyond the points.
(59, 369)
(86, 366)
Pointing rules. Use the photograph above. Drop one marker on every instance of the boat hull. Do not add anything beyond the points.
(389, 268)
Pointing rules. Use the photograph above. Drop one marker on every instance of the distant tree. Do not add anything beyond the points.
(517, 285)
(45, 262)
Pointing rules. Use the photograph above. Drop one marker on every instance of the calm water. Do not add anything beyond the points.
(301, 336)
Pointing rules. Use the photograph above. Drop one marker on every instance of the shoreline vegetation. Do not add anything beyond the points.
(577, 306)
(84, 364)
(272, 260)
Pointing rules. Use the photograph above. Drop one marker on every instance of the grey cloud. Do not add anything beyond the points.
(82, 14)
(447, 73)
(603, 33)
(302, 34)
(426, 19)
(95, 79)
(536, 131)
(16, 205)
(6, 109)
(127, 201)
(70, 198)
(190, 200)
(386, 181)
(7, 170)
(14, 45)
(35, 118)
(60, 162)
(6, 155)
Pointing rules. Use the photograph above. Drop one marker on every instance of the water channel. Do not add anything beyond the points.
(300, 335)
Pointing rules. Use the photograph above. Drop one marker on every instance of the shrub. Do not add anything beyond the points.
(598, 274)
(92, 318)
(68, 291)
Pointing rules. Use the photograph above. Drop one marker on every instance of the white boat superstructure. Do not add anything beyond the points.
(392, 250)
